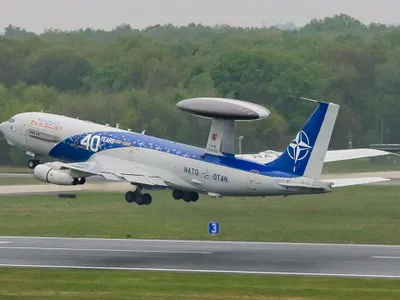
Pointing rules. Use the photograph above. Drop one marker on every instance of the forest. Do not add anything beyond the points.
(135, 78)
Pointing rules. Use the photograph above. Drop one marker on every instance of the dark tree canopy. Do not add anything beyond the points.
(135, 77)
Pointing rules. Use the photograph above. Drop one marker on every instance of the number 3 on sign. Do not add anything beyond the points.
(91, 142)
(213, 228)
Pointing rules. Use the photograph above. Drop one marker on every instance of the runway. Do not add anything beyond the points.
(376, 261)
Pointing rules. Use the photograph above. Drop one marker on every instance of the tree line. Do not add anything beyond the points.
(135, 78)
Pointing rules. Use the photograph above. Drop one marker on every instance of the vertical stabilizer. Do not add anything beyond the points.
(305, 155)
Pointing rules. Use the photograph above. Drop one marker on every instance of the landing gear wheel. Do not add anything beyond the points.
(146, 199)
(195, 197)
(190, 197)
(33, 163)
(82, 180)
(177, 194)
(140, 200)
(130, 197)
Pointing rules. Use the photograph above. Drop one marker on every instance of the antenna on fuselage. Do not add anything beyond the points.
(224, 113)
(117, 125)
(143, 131)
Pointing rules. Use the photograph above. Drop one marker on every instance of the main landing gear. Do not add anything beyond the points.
(136, 196)
(145, 199)
(33, 163)
(186, 196)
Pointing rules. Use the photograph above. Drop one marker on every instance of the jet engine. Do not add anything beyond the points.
(48, 174)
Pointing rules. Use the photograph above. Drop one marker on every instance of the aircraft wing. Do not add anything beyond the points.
(113, 168)
(331, 155)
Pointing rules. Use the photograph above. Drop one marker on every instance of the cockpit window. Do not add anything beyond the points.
(12, 120)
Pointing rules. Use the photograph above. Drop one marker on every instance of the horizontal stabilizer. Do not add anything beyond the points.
(341, 182)
(347, 154)
(331, 155)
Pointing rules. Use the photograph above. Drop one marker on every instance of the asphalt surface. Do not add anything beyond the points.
(202, 256)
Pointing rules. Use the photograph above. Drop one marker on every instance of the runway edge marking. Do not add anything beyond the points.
(198, 241)
(203, 271)
(103, 250)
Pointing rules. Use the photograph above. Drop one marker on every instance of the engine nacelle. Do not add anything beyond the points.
(47, 174)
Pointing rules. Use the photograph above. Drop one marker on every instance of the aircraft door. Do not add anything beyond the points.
(23, 129)
(252, 181)
(19, 128)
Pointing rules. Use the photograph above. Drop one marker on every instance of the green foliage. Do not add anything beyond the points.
(135, 77)
(17, 156)
(64, 284)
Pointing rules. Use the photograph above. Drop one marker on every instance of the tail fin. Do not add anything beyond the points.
(305, 155)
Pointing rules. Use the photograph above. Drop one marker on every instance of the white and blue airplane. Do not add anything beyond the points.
(88, 149)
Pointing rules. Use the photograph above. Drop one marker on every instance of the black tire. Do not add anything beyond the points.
(177, 194)
(187, 197)
(32, 163)
(190, 196)
(82, 181)
(146, 199)
(194, 197)
(139, 199)
(130, 197)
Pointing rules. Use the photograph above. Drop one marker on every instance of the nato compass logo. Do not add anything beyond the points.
(299, 148)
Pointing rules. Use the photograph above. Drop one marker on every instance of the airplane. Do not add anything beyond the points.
(85, 149)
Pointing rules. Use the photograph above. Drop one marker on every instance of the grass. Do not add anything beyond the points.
(87, 284)
(19, 181)
(14, 169)
(366, 214)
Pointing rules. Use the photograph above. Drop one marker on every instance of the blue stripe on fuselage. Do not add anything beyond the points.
(71, 149)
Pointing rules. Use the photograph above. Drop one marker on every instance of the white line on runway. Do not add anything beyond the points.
(104, 250)
(198, 241)
(386, 257)
(5, 242)
(205, 271)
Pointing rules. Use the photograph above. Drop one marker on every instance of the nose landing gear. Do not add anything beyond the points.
(33, 163)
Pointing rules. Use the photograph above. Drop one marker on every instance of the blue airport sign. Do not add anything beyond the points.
(213, 228)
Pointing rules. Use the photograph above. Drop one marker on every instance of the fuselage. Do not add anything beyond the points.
(186, 166)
